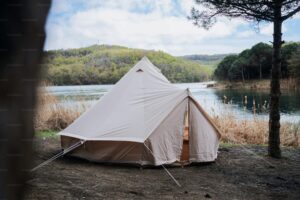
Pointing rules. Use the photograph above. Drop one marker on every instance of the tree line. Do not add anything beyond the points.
(256, 63)
(105, 64)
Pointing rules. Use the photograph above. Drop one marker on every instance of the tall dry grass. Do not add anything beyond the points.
(254, 131)
(53, 115)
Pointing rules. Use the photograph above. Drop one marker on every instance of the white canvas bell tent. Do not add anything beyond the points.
(142, 120)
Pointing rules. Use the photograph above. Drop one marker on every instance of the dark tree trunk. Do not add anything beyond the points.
(243, 74)
(22, 37)
(274, 121)
(260, 72)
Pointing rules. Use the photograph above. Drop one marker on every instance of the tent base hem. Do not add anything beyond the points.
(119, 152)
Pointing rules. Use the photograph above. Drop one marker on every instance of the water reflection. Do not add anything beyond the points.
(289, 101)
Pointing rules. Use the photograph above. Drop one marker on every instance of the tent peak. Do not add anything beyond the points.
(146, 63)
(145, 58)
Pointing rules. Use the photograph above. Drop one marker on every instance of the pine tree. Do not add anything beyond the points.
(274, 11)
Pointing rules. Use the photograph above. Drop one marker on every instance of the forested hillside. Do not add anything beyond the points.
(256, 63)
(206, 60)
(104, 64)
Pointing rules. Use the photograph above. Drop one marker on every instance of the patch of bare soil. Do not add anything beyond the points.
(236, 174)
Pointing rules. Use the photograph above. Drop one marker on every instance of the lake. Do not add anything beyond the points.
(244, 104)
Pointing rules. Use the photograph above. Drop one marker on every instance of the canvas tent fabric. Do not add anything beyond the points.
(141, 120)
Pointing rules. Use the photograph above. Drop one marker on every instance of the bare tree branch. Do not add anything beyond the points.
(285, 17)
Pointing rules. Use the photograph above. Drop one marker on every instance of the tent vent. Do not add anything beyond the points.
(139, 70)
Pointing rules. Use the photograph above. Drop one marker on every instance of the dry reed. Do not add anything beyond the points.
(52, 114)
(254, 131)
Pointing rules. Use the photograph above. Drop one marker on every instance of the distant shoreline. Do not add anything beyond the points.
(285, 84)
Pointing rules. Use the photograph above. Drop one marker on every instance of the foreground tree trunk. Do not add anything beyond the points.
(22, 38)
(274, 122)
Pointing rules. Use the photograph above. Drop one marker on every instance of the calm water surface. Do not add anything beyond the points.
(243, 104)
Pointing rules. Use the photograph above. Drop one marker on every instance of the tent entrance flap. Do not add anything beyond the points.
(185, 147)
(203, 136)
(185, 143)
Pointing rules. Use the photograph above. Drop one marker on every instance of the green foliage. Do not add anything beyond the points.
(209, 61)
(224, 66)
(260, 57)
(46, 134)
(294, 64)
(103, 64)
(256, 63)
(287, 51)
(237, 68)
(206, 59)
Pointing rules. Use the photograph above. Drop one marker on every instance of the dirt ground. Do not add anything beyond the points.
(236, 174)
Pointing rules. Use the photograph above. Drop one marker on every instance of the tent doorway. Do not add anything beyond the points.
(185, 145)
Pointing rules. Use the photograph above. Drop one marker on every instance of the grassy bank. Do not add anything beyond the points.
(52, 117)
(286, 84)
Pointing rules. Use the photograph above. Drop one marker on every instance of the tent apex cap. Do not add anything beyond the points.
(145, 58)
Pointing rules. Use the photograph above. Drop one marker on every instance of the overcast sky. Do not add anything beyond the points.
(152, 24)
